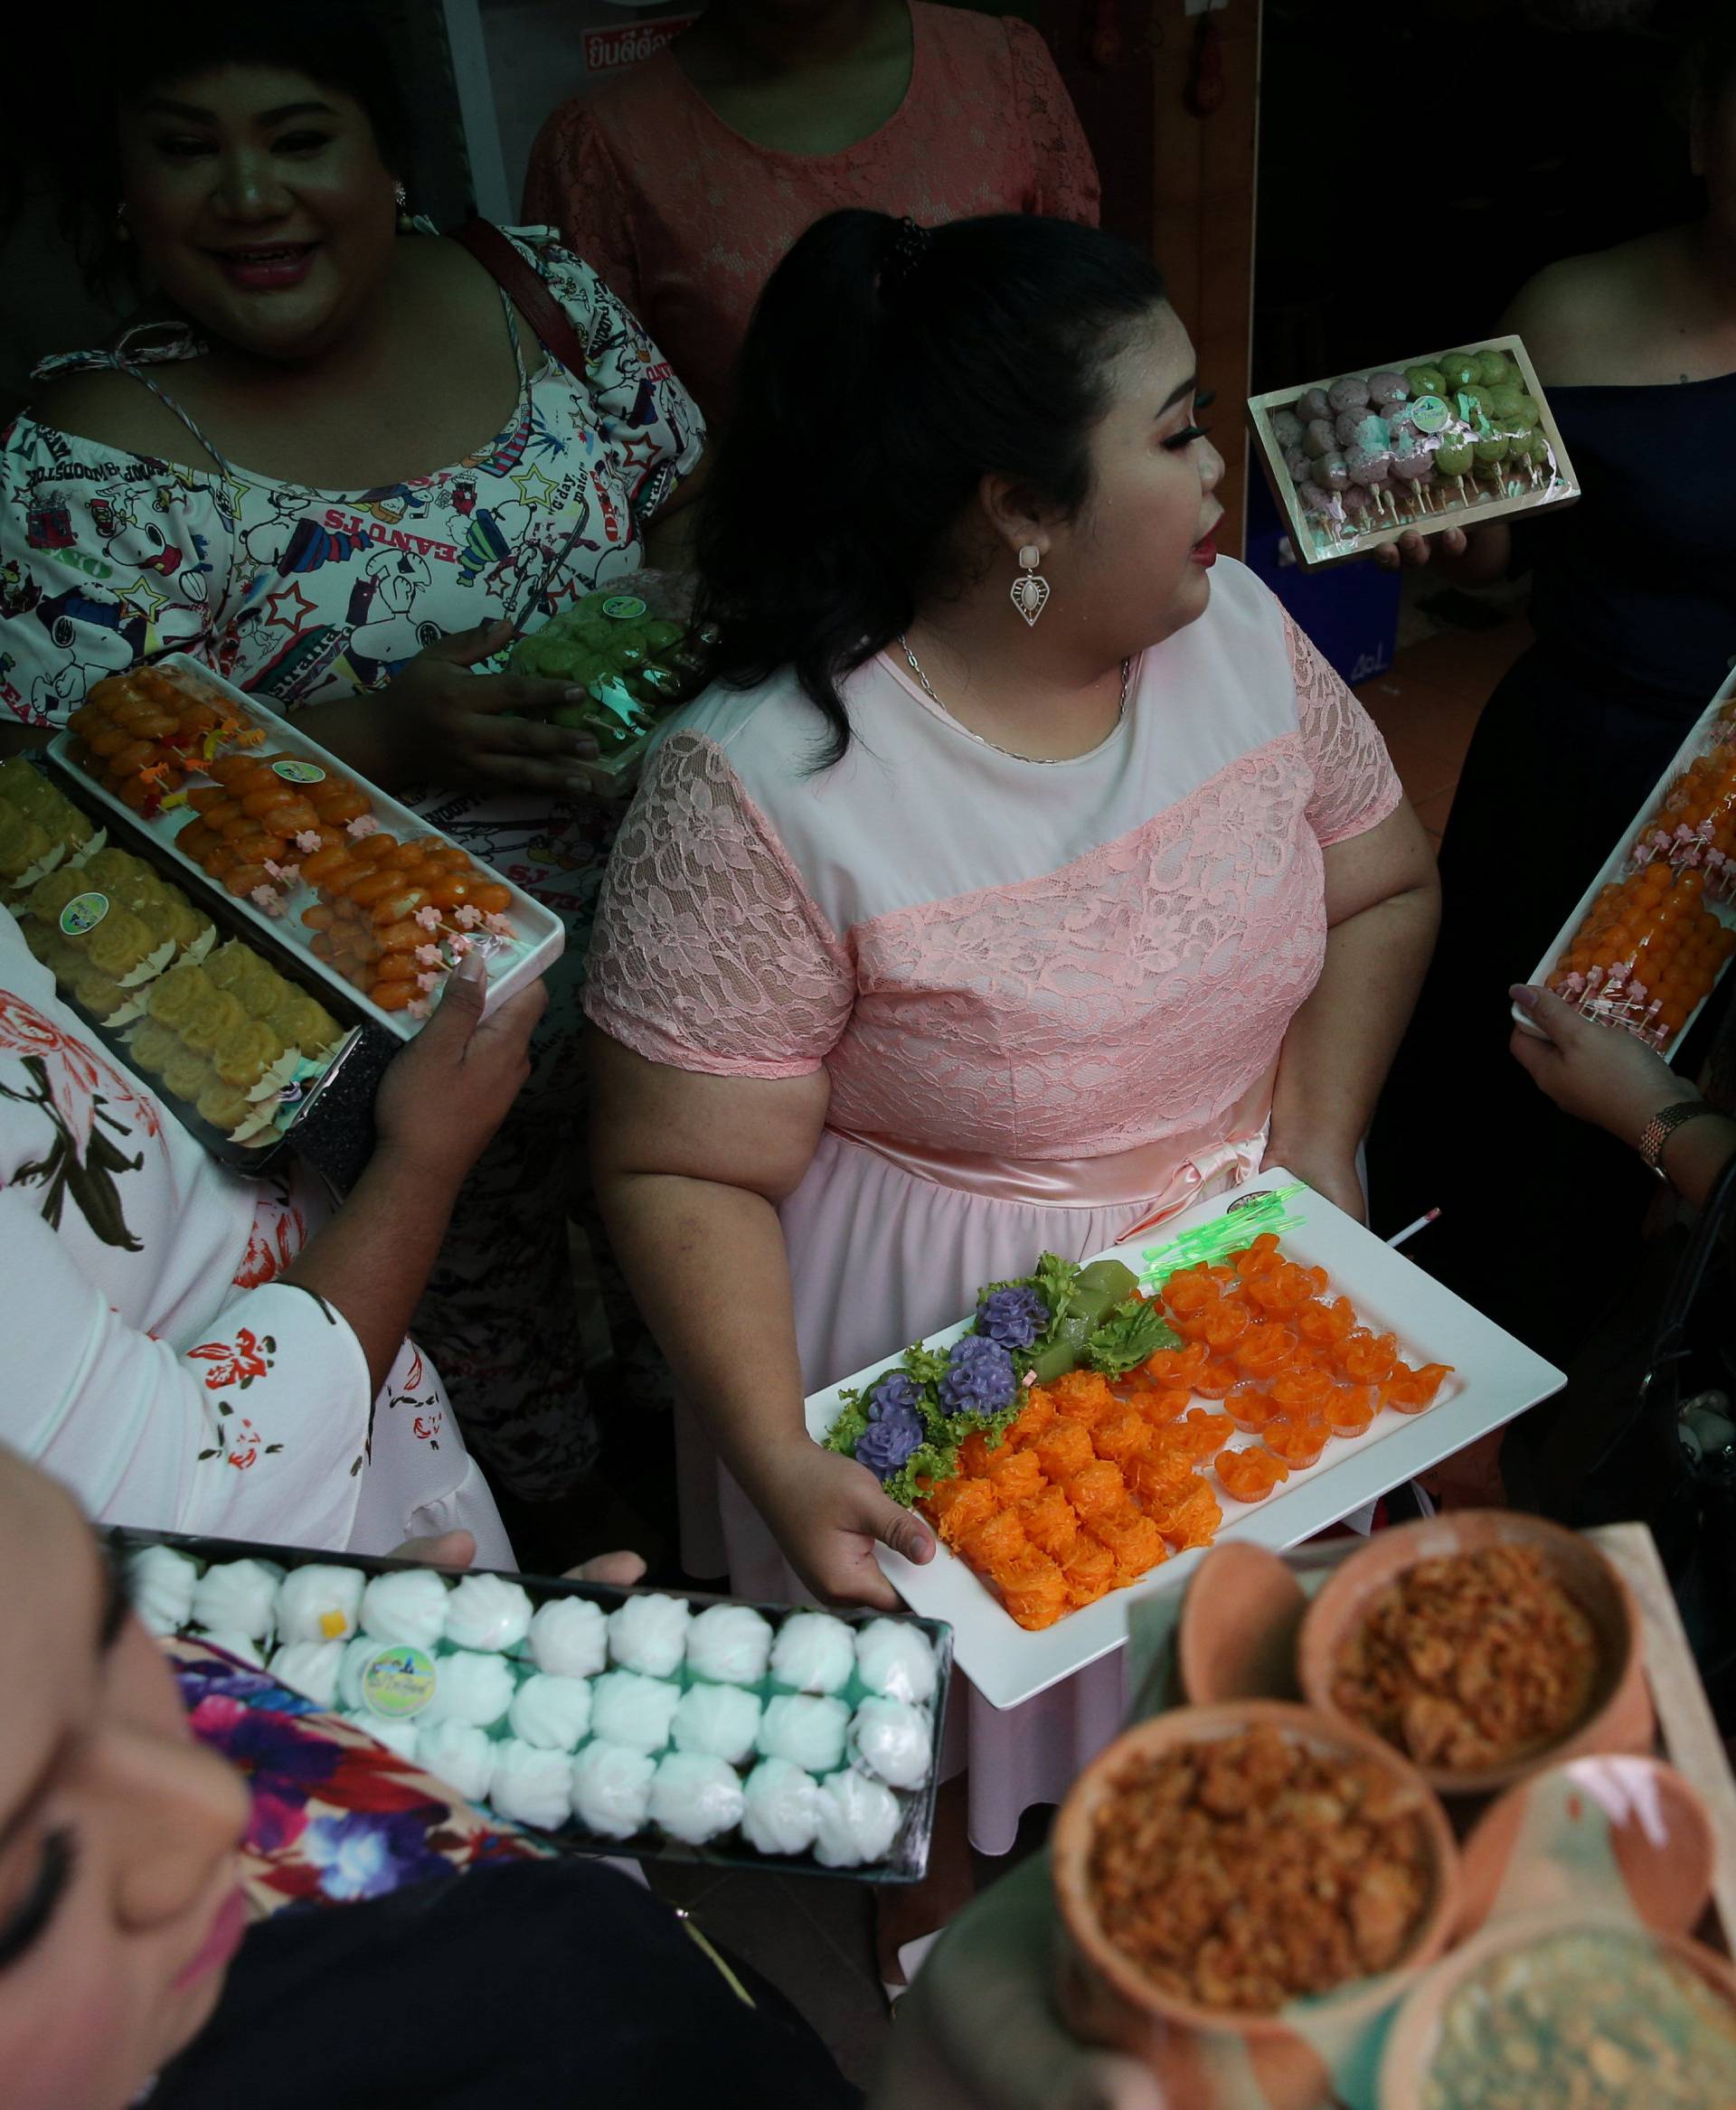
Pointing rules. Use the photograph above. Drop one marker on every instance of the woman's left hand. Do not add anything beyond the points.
(1595, 1072)
(1329, 1172)
(459, 1549)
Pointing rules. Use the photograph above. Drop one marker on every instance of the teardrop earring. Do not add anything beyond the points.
(1031, 589)
(401, 198)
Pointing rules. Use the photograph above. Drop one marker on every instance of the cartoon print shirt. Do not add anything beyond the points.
(302, 595)
(154, 1361)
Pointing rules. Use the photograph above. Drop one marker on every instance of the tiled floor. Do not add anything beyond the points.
(1428, 702)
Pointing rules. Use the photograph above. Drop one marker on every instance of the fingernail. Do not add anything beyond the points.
(575, 695)
(1524, 996)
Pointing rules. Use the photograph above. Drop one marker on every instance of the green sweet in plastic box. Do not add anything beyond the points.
(633, 664)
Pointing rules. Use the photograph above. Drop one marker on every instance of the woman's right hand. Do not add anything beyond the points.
(439, 723)
(828, 1513)
(444, 1097)
(1411, 551)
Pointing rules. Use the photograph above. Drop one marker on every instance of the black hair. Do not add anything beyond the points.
(125, 50)
(886, 372)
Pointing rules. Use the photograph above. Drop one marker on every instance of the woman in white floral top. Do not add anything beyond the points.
(336, 470)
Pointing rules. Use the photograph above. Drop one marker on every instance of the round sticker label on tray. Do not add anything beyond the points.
(624, 607)
(398, 1682)
(84, 912)
(294, 772)
(1430, 413)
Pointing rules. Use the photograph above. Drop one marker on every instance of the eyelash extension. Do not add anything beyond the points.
(1186, 437)
(1205, 398)
(59, 1858)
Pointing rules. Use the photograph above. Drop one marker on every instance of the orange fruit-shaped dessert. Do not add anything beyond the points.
(1249, 1476)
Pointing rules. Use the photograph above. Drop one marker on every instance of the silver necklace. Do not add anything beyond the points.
(1041, 761)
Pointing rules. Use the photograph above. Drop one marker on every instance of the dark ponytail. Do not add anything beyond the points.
(887, 371)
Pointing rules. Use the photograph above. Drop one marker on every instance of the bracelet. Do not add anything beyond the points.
(1654, 1138)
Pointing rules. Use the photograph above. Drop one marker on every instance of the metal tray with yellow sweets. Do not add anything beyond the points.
(182, 989)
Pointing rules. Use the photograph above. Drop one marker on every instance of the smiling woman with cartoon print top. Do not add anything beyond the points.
(329, 469)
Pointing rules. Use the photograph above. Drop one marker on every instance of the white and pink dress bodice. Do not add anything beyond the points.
(1050, 998)
(156, 1362)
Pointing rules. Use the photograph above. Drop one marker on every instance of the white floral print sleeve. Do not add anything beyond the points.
(154, 1360)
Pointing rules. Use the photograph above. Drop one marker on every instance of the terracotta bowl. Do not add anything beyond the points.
(1237, 1635)
(1618, 1716)
(1594, 1833)
(1107, 2000)
(1410, 2043)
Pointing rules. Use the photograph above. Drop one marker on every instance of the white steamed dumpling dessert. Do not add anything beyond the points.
(310, 1667)
(719, 1720)
(611, 1788)
(782, 1811)
(805, 1729)
(487, 1612)
(532, 1787)
(237, 1597)
(814, 1652)
(472, 1688)
(160, 1584)
(396, 1735)
(570, 1637)
(319, 1603)
(896, 1659)
(630, 1710)
(408, 1605)
(858, 1820)
(461, 1754)
(729, 1643)
(551, 1713)
(695, 1797)
(892, 1740)
(650, 1635)
(241, 1645)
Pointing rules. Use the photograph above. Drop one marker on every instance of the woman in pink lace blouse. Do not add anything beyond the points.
(938, 935)
(684, 182)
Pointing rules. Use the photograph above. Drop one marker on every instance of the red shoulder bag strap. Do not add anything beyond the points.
(524, 287)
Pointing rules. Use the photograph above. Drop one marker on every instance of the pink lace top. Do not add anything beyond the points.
(1037, 963)
(685, 220)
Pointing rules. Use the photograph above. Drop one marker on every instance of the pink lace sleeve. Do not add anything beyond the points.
(574, 185)
(1066, 175)
(708, 954)
(1356, 786)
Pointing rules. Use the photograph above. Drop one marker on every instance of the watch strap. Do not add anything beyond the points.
(1656, 1134)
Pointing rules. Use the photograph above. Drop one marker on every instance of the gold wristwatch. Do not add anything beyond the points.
(1659, 1129)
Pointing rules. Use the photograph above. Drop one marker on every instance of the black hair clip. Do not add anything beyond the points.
(906, 248)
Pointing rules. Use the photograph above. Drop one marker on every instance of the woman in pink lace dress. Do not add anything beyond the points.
(937, 936)
(684, 182)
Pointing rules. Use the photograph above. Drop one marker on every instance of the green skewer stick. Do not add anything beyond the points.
(1228, 1233)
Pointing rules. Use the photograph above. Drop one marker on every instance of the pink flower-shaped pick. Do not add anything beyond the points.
(269, 898)
(362, 825)
(421, 1008)
(467, 916)
(308, 842)
(461, 945)
(430, 956)
(429, 981)
(498, 925)
(429, 917)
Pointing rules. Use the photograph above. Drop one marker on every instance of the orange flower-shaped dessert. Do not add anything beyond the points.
(1169, 1403)
(1249, 1476)
(1049, 1521)
(1199, 1434)
(1259, 1257)
(1176, 1366)
(1190, 1291)
(1218, 1378)
(1351, 1409)
(1300, 1391)
(1223, 1324)
(1063, 1449)
(1298, 1443)
(1366, 1359)
(1411, 1390)
(1264, 1352)
(1250, 1407)
(1322, 1325)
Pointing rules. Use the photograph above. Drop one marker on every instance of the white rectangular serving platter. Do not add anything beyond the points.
(1494, 1378)
(543, 933)
(1616, 866)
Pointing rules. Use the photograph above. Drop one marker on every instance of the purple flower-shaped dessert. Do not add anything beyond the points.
(889, 1439)
(897, 1390)
(980, 1378)
(1014, 1317)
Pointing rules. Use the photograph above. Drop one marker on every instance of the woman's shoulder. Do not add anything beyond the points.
(1003, 44)
(99, 410)
(1584, 319)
